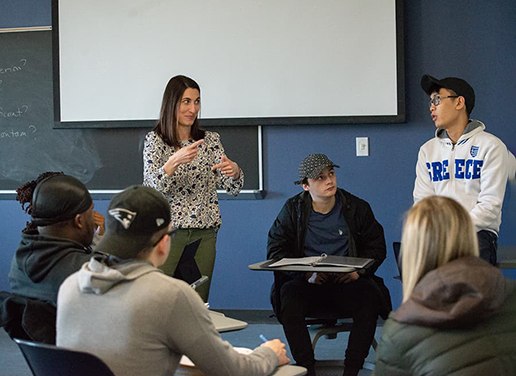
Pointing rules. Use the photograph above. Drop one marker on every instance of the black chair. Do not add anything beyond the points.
(27, 318)
(49, 360)
(329, 328)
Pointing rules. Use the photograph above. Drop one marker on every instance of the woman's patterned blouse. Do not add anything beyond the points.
(191, 190)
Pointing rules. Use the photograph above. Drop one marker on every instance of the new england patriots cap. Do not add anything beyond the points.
(134, 216)
(312, 166)
(430, 84)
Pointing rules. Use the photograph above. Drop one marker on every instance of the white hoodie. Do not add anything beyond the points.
(140, 322)
(474, 172)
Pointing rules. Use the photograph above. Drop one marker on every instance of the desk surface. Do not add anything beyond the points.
(290, 370)
(506, 255)
(263, 266)
(286, 370)
(226, 324)
(507, 264)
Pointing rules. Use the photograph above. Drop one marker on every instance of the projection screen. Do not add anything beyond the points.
(258, 62)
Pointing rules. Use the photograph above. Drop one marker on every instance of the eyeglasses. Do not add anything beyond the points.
(436, 100)
(169, 233)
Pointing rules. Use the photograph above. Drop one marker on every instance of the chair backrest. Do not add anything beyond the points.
(49, 360)
(27, 318)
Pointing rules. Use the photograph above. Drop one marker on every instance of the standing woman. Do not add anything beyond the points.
(186, 163)
(458, 315)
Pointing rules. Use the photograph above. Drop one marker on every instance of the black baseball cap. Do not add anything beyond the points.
(312, 166)
(134, 216)
(59, 198)
(458, 85)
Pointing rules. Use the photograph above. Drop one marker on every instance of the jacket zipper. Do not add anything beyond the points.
(451, 168)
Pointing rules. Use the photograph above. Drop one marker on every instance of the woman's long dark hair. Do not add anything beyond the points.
(24, 196)
(166, 126)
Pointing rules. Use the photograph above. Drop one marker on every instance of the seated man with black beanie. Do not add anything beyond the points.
(138, 320)
(327, 219)
(57, 240)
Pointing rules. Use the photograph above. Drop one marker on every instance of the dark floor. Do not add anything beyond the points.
(11, 359)
(329, 353)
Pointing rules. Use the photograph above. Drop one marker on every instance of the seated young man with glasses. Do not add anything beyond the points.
(463, 161)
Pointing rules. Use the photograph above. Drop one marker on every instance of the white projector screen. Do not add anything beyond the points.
(257, 61)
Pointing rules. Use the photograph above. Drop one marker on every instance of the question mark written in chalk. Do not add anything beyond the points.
(26, 108)
(24, 61)
(33, 127)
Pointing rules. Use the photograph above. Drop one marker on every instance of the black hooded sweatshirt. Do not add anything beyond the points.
(41, 263)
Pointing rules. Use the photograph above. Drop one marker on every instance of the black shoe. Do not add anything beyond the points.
(351, 371)
(310, 370)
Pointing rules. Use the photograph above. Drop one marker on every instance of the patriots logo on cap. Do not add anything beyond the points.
(474, 151)
(124, 216)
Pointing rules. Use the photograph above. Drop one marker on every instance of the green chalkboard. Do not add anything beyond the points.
(104, 159)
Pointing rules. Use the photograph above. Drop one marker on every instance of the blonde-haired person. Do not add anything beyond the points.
(458, 315)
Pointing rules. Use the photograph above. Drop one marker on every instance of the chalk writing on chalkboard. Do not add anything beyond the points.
(14, 68)
(29, 145)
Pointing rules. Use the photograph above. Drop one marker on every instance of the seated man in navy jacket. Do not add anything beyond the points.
(327, 219)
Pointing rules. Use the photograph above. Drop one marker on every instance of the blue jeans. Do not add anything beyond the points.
(487, 246)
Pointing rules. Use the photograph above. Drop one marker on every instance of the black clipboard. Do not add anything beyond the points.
(187, 269)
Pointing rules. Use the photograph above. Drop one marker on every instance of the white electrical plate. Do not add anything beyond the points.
(362, 146)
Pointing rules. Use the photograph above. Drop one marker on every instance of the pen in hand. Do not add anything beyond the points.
(278, 348)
